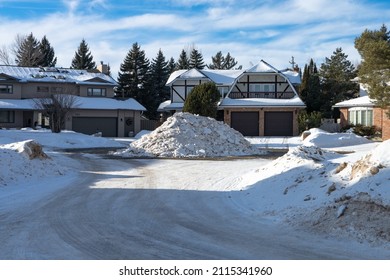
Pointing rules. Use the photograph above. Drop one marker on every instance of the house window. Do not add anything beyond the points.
(262, 88)
(7, 116)
(360, 115)
(6, 89)
(56, 89)
(96, 92)
(42, 89)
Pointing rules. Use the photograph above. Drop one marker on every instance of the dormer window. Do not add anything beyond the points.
(6, 89)
(97, 92)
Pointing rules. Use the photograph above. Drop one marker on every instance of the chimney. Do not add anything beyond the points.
(103, 68)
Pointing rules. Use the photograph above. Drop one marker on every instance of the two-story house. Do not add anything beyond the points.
(95, 109)
(259, 101)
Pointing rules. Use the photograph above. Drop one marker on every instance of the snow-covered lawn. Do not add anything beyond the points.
(323, 191)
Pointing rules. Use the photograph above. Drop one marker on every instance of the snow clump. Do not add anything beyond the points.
(323, 139)
(186, 135)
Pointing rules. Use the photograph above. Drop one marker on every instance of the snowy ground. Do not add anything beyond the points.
(195, 208)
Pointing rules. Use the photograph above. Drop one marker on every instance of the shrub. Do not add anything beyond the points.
(203, 100)
(364, 130)
(308, 120)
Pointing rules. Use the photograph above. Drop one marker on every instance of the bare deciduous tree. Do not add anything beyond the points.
(57, 106)
(5, 57)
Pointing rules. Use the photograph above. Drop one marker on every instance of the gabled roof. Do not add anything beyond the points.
(57, 75)
(262, 67)
(228, 77)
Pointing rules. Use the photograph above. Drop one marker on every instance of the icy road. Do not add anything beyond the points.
(155, 209)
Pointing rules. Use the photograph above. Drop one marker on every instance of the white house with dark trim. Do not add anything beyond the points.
(95, 108)
(259, 101)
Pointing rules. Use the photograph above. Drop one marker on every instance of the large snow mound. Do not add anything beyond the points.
(21, 163)
(325, 139)
(186, 135)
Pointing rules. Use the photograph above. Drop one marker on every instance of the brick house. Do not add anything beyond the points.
(95, 111)
(259, 101)
(362, 110)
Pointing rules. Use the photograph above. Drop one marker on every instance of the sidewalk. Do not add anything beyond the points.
(275, 143)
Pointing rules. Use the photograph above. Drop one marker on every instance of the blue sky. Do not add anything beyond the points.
(250, 30)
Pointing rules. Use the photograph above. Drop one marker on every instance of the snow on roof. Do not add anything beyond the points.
(17, 104)
(52, 74)
(365, 101)
(98, 103)
(262, 67)
(102, 103)
(168, 105)
(262, 102)
(228, 77)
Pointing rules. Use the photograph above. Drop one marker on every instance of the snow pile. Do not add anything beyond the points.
(336, 194)
(64, 140)
(26, 162)
(186, 135)
(323, 139)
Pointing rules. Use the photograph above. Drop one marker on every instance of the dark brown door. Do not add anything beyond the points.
(246, 122)
(278, 123)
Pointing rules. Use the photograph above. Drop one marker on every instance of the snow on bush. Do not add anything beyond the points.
(186, 135)
(323, 139)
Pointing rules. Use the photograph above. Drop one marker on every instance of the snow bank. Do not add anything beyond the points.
(381, 154)
(186, 135)
(323, 139)
(63, 140)
(26, 162)
(337, 194)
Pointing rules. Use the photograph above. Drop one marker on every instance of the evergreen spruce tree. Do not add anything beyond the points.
(159, 73)
(336, 75)
(183, 62)
(196, 60)
(171, 65)
(47, 53)
(203, 100)
(217, 61)
(310, 88)
(27, 51)
(133, 78)
(83, 58)
(374, 71)
(229, 62)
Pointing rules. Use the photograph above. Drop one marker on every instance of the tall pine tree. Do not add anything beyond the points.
(171, 65)
(229, 62)
(183, 62)
(217, 61)
(196, 60)
(336, 74)
(374, 71)
(310, 88)
(27, 51)
(83, 58)
(48, 58)
(133, 78)
(158, 91)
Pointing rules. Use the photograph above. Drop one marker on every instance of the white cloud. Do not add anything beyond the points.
(273, 32)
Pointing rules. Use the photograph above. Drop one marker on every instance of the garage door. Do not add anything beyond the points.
(108, 126)
(278, 123)
(246, 122)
